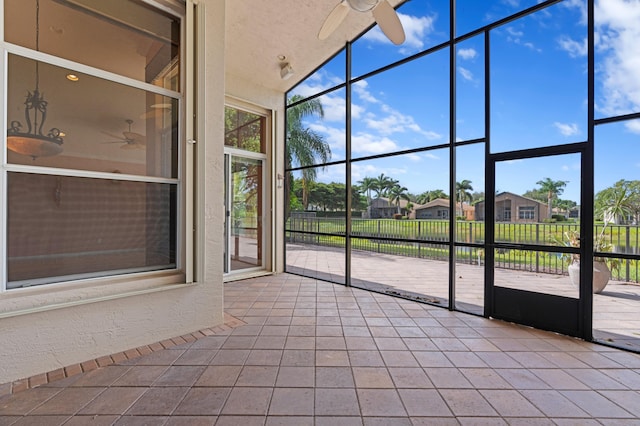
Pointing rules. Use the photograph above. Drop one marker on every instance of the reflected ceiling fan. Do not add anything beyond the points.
(384, 14)
(131, 140)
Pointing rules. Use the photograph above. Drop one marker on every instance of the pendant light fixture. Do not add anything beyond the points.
(33, 142)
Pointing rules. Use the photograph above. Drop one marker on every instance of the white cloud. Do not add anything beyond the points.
(577, 4)
(618, 33)
(361, 89)
(512, 3)
(567, 129)
(431, 156)
(514, 33)
(467, 53)
(334, 108)
(515, 36)
(573, 47)
(465, 73)
(335, 137)
(366, 143)
(413, 157)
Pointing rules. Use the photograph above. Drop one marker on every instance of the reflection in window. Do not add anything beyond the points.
(107, 126)
(244, 130)
(122, 36)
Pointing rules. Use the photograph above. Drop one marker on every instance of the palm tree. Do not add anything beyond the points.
(434, 194)
(305, 147)
(463, 193)
(553, 188)
(368, 184)
(615, 203)
(397, 193)
(383, 184)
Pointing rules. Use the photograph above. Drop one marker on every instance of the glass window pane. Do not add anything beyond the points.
(403, 108)
(316, 200)
(106, 126)
(532, 104)
(617, 76)
(469, 191)
(474, 14)
(470, 89)
(617, 186)
(420, 271)
(316, 256)
(412, 187)
(329, 75)
(537, 200)
(244, 130)
(246, 214)
(316, 130)
(122, 36)
(426, 24)
(535, 271)
(61, 228)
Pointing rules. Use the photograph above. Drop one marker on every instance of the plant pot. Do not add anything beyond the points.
(601, 275)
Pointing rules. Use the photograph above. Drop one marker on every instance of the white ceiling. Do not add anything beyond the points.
(260, 30)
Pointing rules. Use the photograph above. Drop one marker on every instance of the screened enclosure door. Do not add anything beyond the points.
(243, 213)
(529, 240)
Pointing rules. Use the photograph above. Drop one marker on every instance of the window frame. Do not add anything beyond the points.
(183, 184)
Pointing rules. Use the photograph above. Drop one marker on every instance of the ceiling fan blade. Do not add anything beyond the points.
(119, 141)
(135, 137)
(334, 19)
(130, 146)
(111, 135)
(389, 22)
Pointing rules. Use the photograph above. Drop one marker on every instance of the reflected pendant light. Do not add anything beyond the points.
(33, 142)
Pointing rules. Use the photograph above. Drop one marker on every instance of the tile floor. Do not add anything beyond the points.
(315, 353)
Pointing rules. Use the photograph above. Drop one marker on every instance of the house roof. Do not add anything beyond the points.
(507, 195)
(438, 202)
(257, 32)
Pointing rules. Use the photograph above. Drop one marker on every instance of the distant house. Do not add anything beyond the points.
(382, 208)
(435, 209)
(514, 208)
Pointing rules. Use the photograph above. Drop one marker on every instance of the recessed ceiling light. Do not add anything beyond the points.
(281, 57)
(72, 77)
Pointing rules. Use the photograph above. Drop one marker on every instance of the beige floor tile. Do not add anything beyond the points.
(334, 377)
(372, 377)
(467, 402)
(409, 377)
(257, 376)
(336, 402)
(424, 402)
(219, 376)
(68, 401)
(296, 377)
(553, 403)
(158, 401)
(509, 403)
(247, 401)
(380, 402)
(596, 405)
(292, 402)
(332, 358)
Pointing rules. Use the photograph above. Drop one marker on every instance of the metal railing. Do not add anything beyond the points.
(428, 239)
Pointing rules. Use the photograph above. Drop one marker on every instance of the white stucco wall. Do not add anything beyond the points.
(54, 326)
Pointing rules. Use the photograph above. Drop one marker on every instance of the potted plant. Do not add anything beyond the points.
(601, 266)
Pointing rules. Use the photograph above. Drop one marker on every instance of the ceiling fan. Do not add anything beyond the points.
(131, 140)
(384, 14)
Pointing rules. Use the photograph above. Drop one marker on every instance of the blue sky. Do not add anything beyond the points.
(538, 95)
